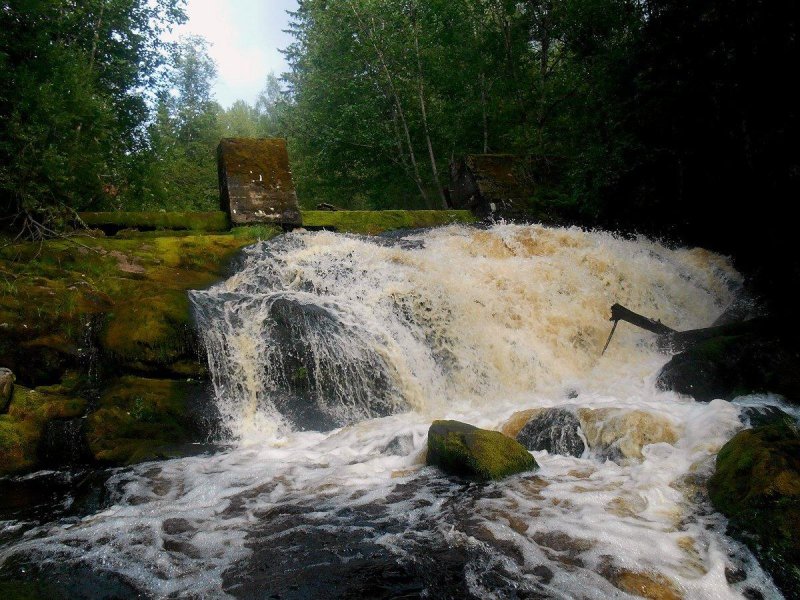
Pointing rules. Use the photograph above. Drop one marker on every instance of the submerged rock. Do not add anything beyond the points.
(462, 449)
(617, 434)
(729, 366)
(518, 420)
(757, 486)
(315, 387)
(654, 586)
(6, 388)
(556, 430)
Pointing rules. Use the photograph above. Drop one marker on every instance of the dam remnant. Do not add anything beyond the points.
(255, 182)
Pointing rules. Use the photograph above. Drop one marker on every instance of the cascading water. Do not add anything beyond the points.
(330, 355)
(349, 329)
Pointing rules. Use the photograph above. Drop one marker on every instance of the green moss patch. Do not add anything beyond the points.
(757, 486)
(126, 296)
(461, 449)
(139, 419)
(368, 222)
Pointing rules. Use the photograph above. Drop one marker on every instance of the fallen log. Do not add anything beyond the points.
(670, 340)
(620, 313)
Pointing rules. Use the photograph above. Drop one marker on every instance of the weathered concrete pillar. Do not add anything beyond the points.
(255, 182)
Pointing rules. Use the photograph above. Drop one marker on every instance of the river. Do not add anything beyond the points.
(330, 357)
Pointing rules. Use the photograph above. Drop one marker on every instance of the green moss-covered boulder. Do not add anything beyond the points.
(461, 449)
(732, 365)
(757, 486)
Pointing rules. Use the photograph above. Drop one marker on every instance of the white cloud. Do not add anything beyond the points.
(245, 37)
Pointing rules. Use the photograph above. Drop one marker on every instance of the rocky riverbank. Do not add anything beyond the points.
(97, 332)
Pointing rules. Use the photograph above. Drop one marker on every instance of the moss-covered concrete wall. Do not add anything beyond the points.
(367, 222)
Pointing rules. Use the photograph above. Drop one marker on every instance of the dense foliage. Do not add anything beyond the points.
(100, 112)
(74, 80)
(645, 111)
(674, 117)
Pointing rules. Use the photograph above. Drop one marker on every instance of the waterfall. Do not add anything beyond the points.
(318, 330)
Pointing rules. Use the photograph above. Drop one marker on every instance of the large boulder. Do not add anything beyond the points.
(757, 486)
(729, 366)
(556, 430)
(461, 449)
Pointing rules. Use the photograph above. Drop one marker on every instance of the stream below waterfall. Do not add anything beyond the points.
(330, 357)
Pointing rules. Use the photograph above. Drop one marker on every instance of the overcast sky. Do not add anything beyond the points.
(245, 37)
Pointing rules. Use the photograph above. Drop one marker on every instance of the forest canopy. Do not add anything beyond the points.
(656, 115)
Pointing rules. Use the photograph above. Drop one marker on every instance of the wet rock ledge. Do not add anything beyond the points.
(101, 362)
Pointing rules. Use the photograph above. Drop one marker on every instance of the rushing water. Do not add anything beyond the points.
(332, 354)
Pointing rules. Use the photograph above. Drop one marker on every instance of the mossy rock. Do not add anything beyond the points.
(151, 334)
(22, 427)
(122, 301)
(372, 222)
(142, 419)
(461, 449)
(757, 486)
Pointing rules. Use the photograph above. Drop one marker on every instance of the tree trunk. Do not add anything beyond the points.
(421, 89)
(92, 56)
(396, 97)
(484, 114)
(620, 313)
(413, 174)
(676, 341)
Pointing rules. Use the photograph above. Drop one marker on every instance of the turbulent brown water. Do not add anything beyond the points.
(332, 354)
